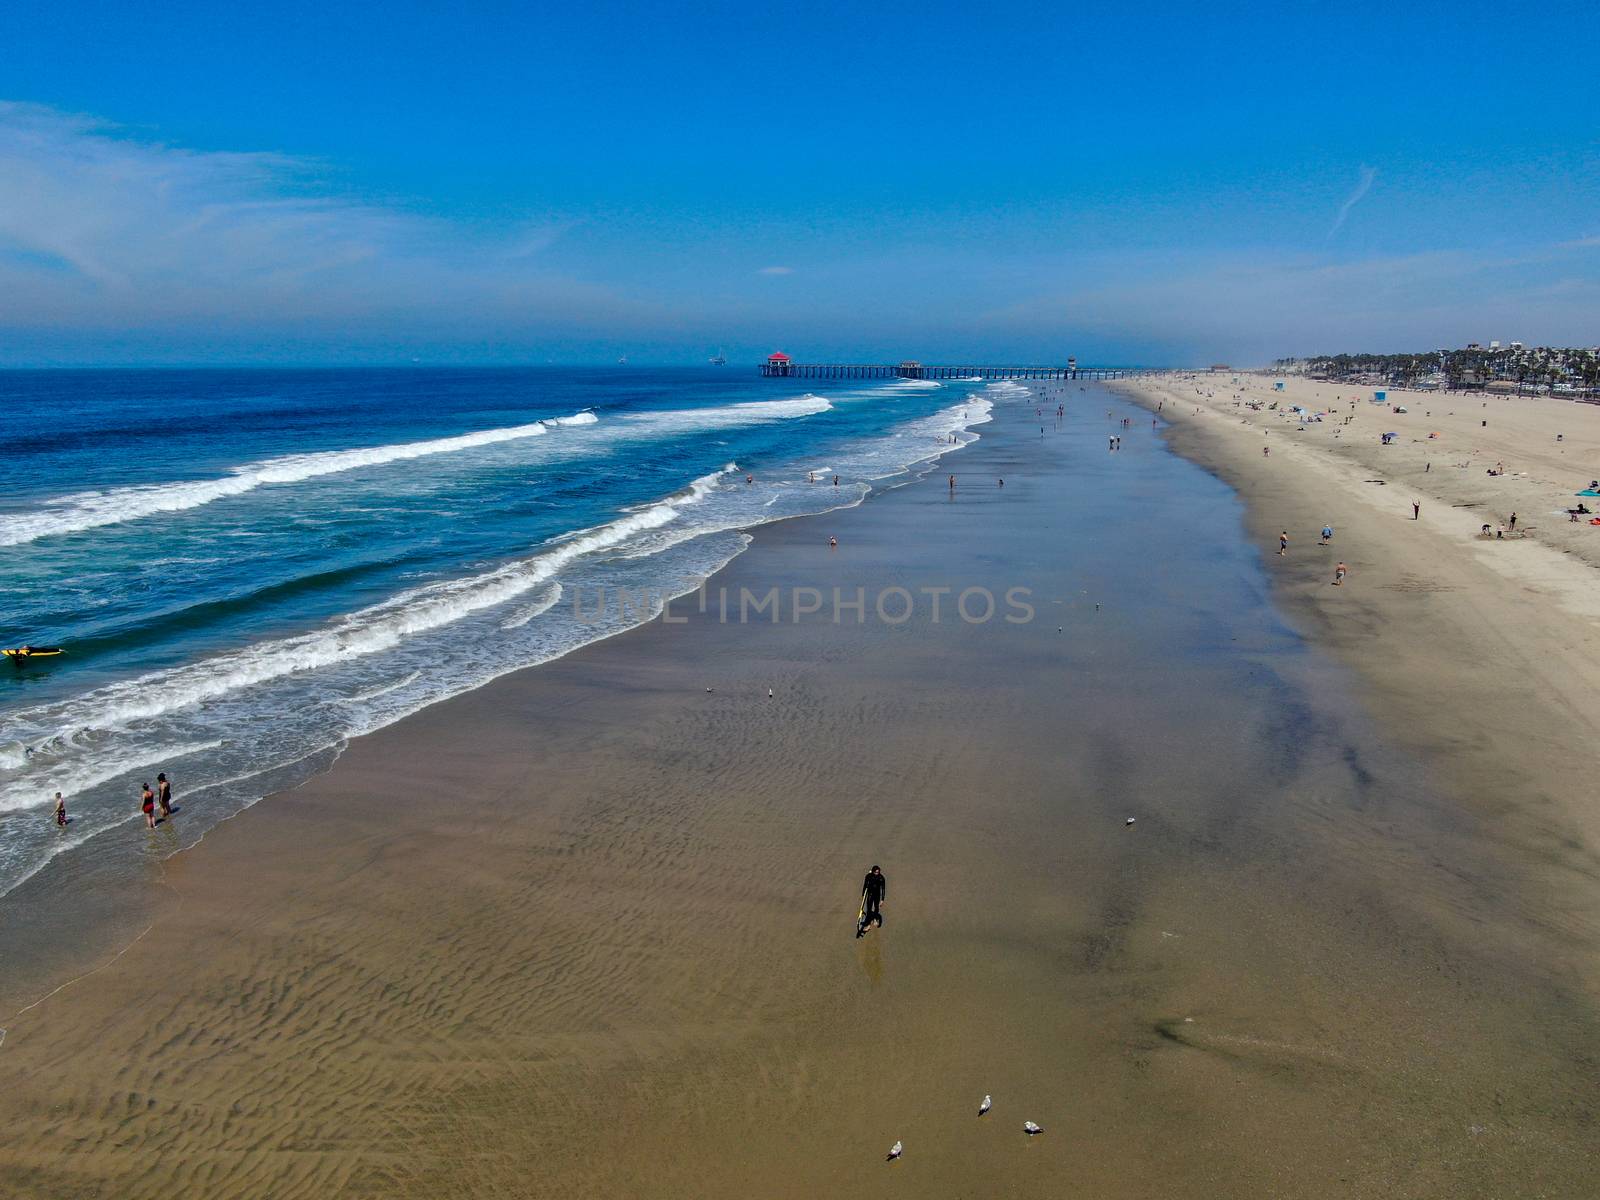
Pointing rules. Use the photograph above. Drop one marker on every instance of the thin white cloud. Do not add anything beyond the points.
(776, 271)
(103, 230)
(1363, 185)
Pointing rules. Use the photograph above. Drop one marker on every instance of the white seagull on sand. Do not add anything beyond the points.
(988, 1103)
(895, 1151)
(1030, 1128)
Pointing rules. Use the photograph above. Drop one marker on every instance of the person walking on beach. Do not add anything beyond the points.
(1327, 534)
(1339, 573)
(164, 794)
(1416, 511)
(1513, 522)
(61, 810)
(873, 890)
(147, 803)
(1283, 542)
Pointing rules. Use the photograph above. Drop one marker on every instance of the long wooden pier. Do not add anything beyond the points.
(916, 370)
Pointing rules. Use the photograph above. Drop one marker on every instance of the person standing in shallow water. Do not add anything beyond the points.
(164, 794)
(147, 802)
(61, 810)
(873, 889)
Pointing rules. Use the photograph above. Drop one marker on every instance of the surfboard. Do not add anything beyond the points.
(18, 657)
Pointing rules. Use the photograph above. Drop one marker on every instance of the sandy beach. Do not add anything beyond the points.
(587, 931)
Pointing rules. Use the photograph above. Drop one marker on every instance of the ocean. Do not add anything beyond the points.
(247, 568)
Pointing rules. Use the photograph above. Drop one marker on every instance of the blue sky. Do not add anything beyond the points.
(289, 182)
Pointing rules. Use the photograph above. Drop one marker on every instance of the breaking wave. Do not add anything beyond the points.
(91, 510)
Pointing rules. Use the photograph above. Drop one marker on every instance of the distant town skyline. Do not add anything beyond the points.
(294, 184)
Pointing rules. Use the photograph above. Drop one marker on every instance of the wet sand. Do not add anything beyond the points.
(588, 930)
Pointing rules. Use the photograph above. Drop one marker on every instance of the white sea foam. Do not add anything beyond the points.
(381, 690)
(537, 609)
(364, 632)
(721, 416)
(91, 510)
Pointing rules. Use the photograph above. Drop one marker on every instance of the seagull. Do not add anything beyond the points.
(708, 689)
(988, 1103)
(895, 1151)
(1030, 1128)
(769, 693)
(1129, 821)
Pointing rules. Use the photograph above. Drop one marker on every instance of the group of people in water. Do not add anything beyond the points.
(150, 800)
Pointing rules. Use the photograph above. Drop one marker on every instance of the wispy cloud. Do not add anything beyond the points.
(100, 230)
(1363, 185)
(776, 271)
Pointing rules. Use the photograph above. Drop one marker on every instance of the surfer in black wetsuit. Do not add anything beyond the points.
(873, 890)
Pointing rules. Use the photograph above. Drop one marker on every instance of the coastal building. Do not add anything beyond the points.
(778, 363)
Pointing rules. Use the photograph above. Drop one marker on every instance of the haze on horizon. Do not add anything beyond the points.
(293, 183)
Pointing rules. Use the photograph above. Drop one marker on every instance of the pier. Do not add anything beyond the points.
(781, 366)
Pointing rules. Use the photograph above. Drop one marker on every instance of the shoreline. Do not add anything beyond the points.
(580, 931)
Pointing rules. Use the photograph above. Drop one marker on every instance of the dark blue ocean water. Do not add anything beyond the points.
(249, 567)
